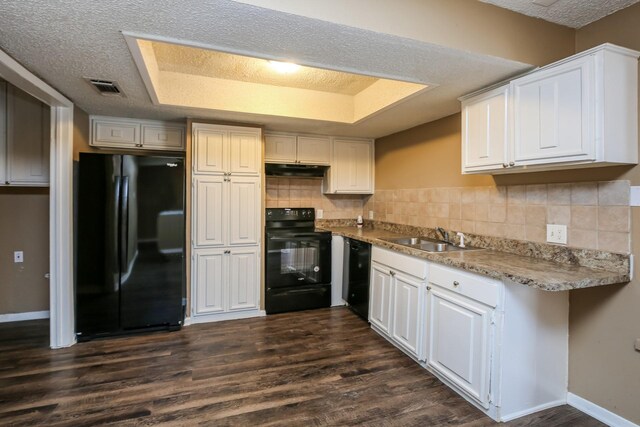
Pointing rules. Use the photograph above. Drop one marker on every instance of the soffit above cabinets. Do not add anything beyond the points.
(570, 13)
(176, 74)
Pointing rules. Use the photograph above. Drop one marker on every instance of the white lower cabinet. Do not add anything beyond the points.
(459, 337)
(380, 297)
(227, 282)
(503, 346)
(407, 312)
(396, 294)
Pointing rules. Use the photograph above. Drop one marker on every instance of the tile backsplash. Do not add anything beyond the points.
(307, 192)
(597, 214)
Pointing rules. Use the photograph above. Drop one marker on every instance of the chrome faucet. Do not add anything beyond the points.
(444, 234)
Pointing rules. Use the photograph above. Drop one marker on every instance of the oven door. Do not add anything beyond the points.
(298, 259)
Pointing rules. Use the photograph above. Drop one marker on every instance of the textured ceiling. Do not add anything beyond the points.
(66, 40)
(570, 13)
(210, 63)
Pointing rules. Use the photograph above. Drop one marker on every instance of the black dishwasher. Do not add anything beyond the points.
(355, 279)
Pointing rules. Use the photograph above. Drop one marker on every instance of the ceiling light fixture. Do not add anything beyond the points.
(284, 67)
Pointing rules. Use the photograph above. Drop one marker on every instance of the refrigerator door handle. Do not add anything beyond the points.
(124, 227)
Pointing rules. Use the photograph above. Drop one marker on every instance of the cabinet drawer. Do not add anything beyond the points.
(413, 266)
(476, 287)
(163, 137)
(115, 133)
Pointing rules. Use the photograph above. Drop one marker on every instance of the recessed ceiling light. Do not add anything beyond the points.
(284, 67)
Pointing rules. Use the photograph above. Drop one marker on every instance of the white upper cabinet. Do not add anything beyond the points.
(578, 112)
(120, 132)
(352, 170)
(25, 133)
(228, 150)
(485, 131)
(553, 114)
(314, 150)
(303, 149)
(280, 148)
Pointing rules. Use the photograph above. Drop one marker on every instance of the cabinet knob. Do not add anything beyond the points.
(456, 283)
(428, 288)
(512, 164)
(504, 165)
(227, 252)
(392, 273)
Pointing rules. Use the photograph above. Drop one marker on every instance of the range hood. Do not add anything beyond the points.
(301, 171)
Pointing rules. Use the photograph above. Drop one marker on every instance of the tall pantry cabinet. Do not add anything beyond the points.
(226, 221)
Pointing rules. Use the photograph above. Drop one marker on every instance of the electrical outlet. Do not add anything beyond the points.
(319, 213)
(370, 214)
(557, 233)
(18, 257)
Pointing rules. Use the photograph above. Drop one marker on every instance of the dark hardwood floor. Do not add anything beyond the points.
(314, 368)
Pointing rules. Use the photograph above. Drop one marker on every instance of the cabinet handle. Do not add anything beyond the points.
(456, 283)
(512, 164)
(227, 252)
(392, 273)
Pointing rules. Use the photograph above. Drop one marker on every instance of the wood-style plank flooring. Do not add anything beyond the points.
(313, 368)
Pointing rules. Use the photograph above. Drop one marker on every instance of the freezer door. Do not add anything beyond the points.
(152, 241)
(96, 244)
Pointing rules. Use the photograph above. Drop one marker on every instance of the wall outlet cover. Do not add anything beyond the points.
(557, 233)
(370, 214)
(319, 213)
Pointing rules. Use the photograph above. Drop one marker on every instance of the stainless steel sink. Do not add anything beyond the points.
(426, 244)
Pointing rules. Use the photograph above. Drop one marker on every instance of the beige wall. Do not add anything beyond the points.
(604, 322)
(603, 366)
(24, 226)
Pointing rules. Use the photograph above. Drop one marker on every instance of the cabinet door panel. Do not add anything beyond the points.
(459, 337)
(162, 137)
(245, 153)
(210, 152)
(407, 319)
(210, 276)
(244, 283)
(28, 136)
(485, 131)
(280, 149)
(553, 112)
(380, 297)
(210, 213)
(314, 150)
(244, 211)
(123, 134)
(352, 166)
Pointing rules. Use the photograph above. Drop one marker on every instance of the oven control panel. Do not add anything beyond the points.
(290, 214)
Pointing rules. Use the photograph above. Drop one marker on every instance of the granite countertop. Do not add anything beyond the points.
(543, 274)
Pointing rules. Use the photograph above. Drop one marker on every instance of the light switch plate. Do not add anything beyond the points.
(370, 214)
(634, 196)
(18, 256)
(319, 213)
(557, 233)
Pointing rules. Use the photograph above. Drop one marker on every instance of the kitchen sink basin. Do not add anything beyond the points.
(426, 244)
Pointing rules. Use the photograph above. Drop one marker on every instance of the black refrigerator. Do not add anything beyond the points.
(129, 244)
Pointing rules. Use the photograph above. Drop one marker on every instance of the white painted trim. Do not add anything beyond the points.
(187, 321)
(226, 316)
(598, 412)
(529, 411)
(61, 305)
(27, 315)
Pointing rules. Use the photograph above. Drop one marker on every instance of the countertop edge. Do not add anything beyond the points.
(441, 258)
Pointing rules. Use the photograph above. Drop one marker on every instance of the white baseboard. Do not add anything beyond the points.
(598, 412)
(226, 316)
(29, 315)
